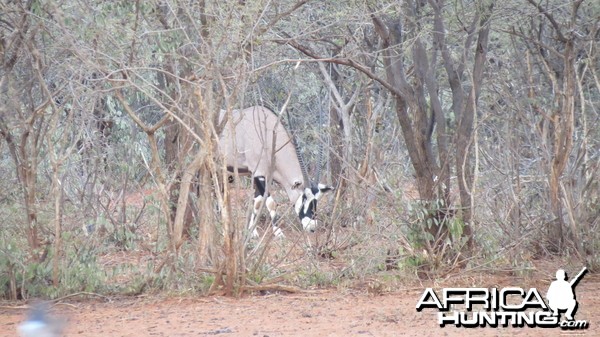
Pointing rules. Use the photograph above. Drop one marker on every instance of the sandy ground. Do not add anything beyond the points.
(327, 313)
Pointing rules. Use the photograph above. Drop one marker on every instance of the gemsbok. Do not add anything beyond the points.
(255, 141)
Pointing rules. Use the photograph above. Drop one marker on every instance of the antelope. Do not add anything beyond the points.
(261, 147)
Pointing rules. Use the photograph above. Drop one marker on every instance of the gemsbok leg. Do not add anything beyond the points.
(260, 194)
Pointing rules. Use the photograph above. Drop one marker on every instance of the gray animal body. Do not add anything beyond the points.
(255, 141)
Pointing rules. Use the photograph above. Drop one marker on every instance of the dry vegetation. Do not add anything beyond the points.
(460, 136)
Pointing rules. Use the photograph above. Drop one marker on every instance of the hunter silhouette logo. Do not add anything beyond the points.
(510, 306)
(561, 294)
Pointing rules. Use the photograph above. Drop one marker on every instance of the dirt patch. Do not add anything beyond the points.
(328, 313)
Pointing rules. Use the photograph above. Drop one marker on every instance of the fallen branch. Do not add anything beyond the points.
(78, 294)
(280, 287)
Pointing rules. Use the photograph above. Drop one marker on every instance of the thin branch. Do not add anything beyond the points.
(342, 61)
(550, 18)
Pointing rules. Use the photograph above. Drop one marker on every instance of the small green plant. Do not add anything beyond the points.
(124, 237)
(435, 233)
(313, 276)
(82, 271)
(11, 266)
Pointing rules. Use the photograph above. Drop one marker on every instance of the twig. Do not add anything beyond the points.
(80, 293)
(279, 287)
(56, 300)
(15, 307)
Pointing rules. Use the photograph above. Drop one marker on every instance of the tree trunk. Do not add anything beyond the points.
(464, 141)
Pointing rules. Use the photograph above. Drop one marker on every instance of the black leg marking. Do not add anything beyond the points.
(260, 186)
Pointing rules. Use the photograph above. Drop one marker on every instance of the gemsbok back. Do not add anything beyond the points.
(260, 146)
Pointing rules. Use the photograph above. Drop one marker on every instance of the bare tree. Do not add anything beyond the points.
(555, 42)
(410, 68)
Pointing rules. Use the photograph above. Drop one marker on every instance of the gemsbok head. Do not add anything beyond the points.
(255, 141)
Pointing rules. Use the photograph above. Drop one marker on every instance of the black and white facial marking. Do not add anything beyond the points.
(306, 206)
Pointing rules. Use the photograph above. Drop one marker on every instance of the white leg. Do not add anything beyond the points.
(252, 224)
(272, 207)
(278, 232)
